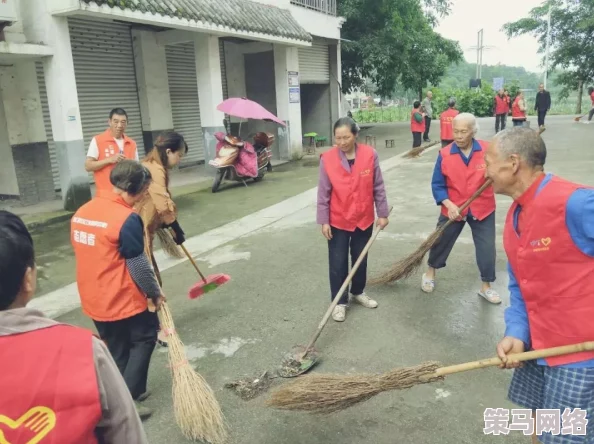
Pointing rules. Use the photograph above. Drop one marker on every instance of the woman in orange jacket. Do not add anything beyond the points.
(157, 209)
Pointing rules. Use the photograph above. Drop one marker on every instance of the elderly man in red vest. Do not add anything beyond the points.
(109, 148)
(58, 381)
(549, 242)
(459, 172)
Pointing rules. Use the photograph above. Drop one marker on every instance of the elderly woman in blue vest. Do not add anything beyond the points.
(459, 172)
(349, 188)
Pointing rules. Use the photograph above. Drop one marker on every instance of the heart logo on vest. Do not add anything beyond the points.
(546, 241)
(34, 425)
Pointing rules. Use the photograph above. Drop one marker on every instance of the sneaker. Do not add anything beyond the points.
(143, 412)
(365, 300)
(427, 285)
(339, 313)
(143, 396)
(490, 295)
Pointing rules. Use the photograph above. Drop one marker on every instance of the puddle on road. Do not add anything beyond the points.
(226, 347)
(224, 255)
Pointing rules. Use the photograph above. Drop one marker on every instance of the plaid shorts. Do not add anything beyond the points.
(541, 387)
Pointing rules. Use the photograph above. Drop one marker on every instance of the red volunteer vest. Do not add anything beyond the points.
(517, 113)
(49, 390)
(107, 148)
(463, 181)
(501, 105)
(592, 98)
(415, 126)
(554, 276)
(352, 201)
(107, 291)
(445, 120)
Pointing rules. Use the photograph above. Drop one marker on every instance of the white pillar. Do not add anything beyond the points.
(288, 100)
(210, 91)
(26, 133)
(336, 108)
(153, 86)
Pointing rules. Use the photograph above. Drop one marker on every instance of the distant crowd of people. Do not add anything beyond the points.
(503, 106)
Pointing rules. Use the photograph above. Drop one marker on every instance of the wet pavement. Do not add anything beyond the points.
(279, 292)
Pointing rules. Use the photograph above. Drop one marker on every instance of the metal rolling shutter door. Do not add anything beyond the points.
(314, 63)
(185, 106)
(105, 76)
(48, 124)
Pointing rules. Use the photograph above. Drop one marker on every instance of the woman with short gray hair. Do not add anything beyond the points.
(459, 172)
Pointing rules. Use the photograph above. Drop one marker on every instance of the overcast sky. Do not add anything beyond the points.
(469, 16)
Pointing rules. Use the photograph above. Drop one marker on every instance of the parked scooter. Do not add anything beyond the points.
(239, 161)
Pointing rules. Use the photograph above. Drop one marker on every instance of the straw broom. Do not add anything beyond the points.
(333, 393)
(412, 262)
(196, 409)
(416, 152)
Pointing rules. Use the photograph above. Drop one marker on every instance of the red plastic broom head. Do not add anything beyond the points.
(212, 282)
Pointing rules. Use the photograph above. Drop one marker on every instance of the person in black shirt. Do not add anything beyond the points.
(542, 104)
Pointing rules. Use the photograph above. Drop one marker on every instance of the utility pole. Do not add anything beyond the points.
(479, 53)
(548, 46)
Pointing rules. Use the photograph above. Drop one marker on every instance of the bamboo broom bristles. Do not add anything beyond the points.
(196, 409)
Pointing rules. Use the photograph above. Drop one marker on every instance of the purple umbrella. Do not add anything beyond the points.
(247, 109)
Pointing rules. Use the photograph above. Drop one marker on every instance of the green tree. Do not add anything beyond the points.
(430, 56)
(382, 37)
(572, 40)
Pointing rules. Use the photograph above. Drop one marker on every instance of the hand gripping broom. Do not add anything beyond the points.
(319, 393)
(407, 266)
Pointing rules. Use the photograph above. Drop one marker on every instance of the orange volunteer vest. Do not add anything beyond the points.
(107, 291)
(351, 203)
(501, 105)
(415, 126)
(49, 387)
(446, 126)
(517, 113)
(107, 148)
(463, 181)
(554, 276)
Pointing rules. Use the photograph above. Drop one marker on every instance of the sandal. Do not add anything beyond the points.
(490, 295)
(427, 285)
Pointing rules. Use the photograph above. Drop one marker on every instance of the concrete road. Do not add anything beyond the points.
(279, 292)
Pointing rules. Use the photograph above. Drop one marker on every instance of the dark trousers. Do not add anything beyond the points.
(416, 139)
(427, 127)
(338, 252)
(518, 122)
(131, 342)
(591, 114)
(483, 234)
(445, 143)
(500, 121)
(542, 113)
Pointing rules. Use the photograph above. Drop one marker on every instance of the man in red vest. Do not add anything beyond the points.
(549, 242)
(445, 120)
(59, 383)
(500, 109)
(108, 148)
(459, 172)
(114, 275)
(417, 123)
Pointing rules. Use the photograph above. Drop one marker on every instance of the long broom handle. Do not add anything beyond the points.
(345, 284)
(466, 204)
(526, 356)
(189, 256)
